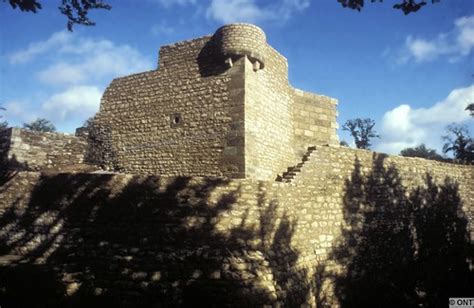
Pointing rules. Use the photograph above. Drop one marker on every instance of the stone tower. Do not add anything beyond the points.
(218, 105)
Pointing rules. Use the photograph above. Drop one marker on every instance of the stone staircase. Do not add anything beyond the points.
(291, 172)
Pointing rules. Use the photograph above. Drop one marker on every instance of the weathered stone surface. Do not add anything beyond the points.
(340, 224)
(216, 105)
(175, 239)
(30, 150)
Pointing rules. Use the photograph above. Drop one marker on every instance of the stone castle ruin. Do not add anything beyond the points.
(232, 192)
(218, 105)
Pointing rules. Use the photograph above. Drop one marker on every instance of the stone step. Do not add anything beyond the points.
(292, 171)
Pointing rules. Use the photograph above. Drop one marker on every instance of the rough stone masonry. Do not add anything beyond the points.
(219, 105)
(343, 227)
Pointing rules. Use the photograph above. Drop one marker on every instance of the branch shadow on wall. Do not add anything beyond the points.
(398, 247)
(88, 239)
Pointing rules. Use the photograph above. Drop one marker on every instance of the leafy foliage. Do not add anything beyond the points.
(76, 11)
(461, 144)
(86, 128)
(411, 6)
(3, 124)
(470, 108)
(421, 151)
(88, 123)
(343, 143)
(362, 130)
(26, 5)
(407, 6)
(40, 125)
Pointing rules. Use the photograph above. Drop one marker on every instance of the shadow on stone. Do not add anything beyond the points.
(399, 247)
(143, 241)
(210, 62)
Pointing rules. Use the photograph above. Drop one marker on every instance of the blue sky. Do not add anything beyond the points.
(412, 74)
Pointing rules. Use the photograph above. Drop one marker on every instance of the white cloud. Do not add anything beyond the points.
(405, 126)
(457, 43)
(76, 69)
(465, 38)
(14, 108)
(62, 73)
(229, 11)
(162, 29)
(80, 59)
(15, 113)
(169, 3)
(88, 60)
(38, 48)
(67, 109)
(75, 102)
(422, 50)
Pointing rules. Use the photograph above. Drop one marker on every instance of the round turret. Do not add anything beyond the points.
(236, 40)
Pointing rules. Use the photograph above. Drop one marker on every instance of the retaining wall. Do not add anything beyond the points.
(354, 227)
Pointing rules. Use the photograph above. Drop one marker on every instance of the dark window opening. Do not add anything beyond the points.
(176, 119)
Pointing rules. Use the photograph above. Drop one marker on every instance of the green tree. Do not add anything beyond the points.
(406, 6)
(76, 11)
(86, 128)
(88, 123)
(459, 142)
(3, 124)
(40, 125)
(421, 151)
(470, 108)
(362, 130)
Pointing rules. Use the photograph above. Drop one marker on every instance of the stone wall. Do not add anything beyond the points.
(269, 137)
(352, 228)
(178, 119)
(30, 150)
(314, 119)
(218, 105)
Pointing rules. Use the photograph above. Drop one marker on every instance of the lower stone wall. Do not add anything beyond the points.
(392, 229)
(353, 228)
(31, 150)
